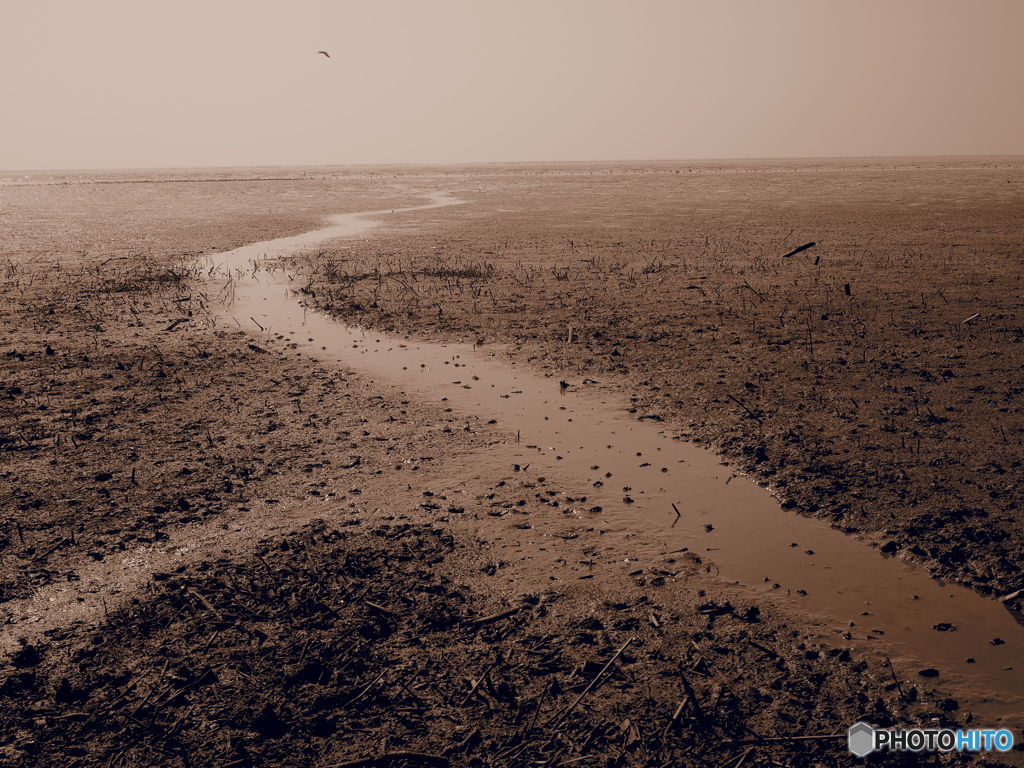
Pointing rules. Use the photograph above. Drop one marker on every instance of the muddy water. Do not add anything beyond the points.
(635, 472)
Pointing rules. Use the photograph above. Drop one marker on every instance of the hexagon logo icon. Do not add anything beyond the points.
(860, 739)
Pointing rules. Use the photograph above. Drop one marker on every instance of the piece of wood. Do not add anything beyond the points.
(593, 683)
(478, 681)
(680, 707)
(743, 405)
(797, 250)
(51, 550)
(892, 672)
(494, 617)
(206, 603)
(365, 689)
(762, 649)
(380, 609)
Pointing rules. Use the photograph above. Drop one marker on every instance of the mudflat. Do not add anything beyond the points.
(873, 380)
(226, 543)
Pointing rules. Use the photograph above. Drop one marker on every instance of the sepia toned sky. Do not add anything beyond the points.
(124, 83)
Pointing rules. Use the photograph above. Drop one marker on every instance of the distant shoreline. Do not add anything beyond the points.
(301, 172)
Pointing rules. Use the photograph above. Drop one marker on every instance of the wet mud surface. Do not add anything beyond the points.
(643, 476)
(343, 640)
(873, 380)
(325, 609)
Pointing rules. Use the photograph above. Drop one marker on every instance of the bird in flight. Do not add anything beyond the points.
(325, 53)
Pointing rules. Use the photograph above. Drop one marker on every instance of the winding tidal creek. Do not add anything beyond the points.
(639, 475)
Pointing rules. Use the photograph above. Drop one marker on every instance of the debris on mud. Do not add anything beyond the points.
(877, 409)
(336, 646)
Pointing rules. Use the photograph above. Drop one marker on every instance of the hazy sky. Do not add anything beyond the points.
(104, 83)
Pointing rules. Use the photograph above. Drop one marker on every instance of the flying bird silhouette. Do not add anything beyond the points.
(325, 53)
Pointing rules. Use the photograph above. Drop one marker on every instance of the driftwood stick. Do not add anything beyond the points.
(365, 689)
(692, 696)
(540, 704)
(895, 679)
(762, 649)
(743, 405)
(797, 250)
(206, 603)
(676, 715)
(494, 617)
(51, 550)
(479, 681)
(380, 609)
(593, 683)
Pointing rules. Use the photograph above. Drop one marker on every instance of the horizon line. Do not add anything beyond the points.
(483, 163)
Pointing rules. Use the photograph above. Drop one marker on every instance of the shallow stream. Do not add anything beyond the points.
(583, 434)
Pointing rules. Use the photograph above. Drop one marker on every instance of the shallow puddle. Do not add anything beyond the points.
(636, 472)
